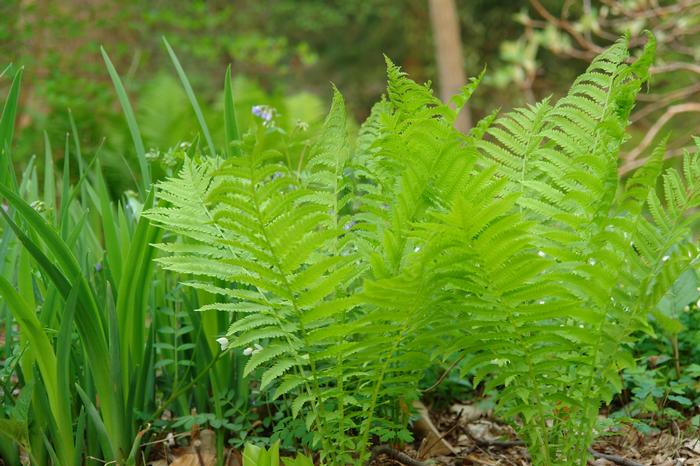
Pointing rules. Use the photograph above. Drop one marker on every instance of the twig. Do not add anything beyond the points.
(458, 418)
(197, 448)
(614, 458)
(444, 374)
(565, 25)
(634, 164)
(676, 66)
(393, 454)
(492, 443)
(654, 130)
(661, 101)
(512, 443)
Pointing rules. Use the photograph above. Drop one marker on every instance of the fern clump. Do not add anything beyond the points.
(352, 265)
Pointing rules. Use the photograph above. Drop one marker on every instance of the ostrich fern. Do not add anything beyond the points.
(553, 273)
(354, 265)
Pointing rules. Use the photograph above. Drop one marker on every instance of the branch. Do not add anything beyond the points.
(634, 164)
(654, 130)
(393, 454)
(565, 25)
(657, 12)
(444, 375)
(676, 66)
(614, 458)
(660, 101)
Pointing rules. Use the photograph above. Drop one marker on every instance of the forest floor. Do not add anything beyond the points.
(465, 435)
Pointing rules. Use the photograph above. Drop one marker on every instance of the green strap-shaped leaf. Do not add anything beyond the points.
(191, 97)
(131, 122)
(230, 122)
(88, 317)
(7, 129)
(47, 362)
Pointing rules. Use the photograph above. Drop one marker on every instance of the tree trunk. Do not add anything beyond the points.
(448, 52)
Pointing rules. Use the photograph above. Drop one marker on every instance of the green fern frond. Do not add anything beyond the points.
(350, 272)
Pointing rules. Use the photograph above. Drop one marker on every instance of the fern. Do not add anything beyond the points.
(575, 270)
(351, 267)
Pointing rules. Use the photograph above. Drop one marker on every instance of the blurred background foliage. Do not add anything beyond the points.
(285, 53)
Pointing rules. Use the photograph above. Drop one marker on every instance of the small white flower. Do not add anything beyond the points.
(541, 253)
(591, 261)
(223, 342)
(665, 258)
(416, 249)
(170, 439)
(248, 351)
(500, 362)
(257, 349)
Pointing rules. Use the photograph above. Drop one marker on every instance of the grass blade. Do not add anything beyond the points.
(89, 320)
(103, 437)
(47, 362)
(131, 122)
(109, 228)
(133, 290)
(49, 181)
(231, 131)
(7, 129)
(190, 95)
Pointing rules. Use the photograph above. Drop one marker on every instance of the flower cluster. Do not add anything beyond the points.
(224, 343)
(266, 113)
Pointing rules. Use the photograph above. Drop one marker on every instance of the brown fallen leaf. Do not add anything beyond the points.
(468, 413)
(432, 444)
(201, 452)
(692, 445)
(157, 463)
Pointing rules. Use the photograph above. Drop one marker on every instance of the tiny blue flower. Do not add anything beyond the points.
(265, 112)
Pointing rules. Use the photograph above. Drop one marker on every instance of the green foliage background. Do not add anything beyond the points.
(277, 49)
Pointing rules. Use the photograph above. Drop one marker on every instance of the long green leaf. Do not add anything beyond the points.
(104, 438)
(49, 181)
(7, 129)
(190, 95)
(47, 362)
(232, 133)
(109, 227)
(131, 122)
(88, 318)
(133, 290)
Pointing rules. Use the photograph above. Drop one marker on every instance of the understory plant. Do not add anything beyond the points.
(343, 266)
(257, 456)
(98, 342)
(554, 284)
(350, 265)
